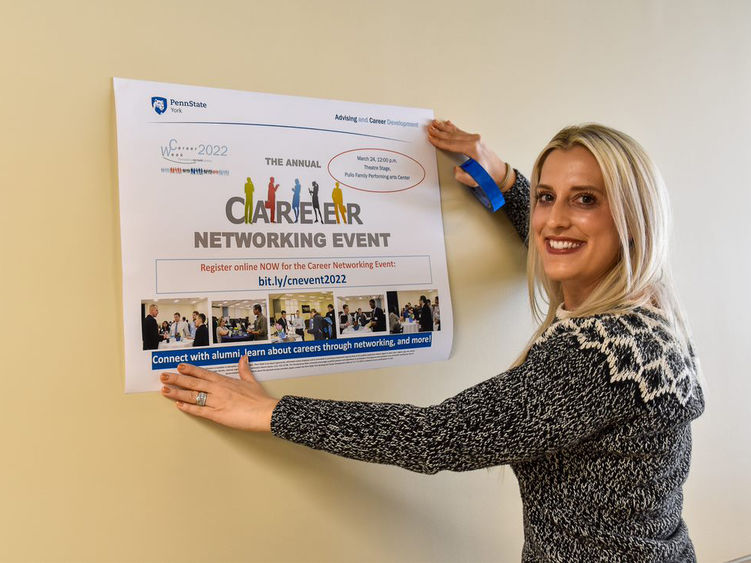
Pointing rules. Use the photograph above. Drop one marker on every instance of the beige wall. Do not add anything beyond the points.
(90, 474)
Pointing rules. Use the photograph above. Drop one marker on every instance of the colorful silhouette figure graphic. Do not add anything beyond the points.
(249, 201)
(336, 197)
(271, 198)
(296, 198)
(316, 205)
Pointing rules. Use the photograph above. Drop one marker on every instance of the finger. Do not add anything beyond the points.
(201, 373)
(185, 396)
(195, 410)
(465, 144)
(243, 367)
(447, 130)
(448, 135)
(186, 381)
(463, 177)
(447, 126)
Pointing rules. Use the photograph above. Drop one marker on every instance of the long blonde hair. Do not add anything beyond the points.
(640, 207)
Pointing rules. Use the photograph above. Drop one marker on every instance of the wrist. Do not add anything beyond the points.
(266, 426)
(508, 180)
(503, 175)
(501, 172)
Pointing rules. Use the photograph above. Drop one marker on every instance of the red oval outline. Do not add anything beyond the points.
(424, 172)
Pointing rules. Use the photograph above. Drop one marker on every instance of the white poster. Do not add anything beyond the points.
(303, 233)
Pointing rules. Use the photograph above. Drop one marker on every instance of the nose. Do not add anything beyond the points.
(559, 216)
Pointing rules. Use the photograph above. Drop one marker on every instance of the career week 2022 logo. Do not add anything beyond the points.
(161, 104)
(187, 160)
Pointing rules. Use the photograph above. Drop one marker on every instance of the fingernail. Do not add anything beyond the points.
(165, 389)
(178, 404)
(164, 377)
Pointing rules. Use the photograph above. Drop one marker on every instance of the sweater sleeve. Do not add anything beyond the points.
(517, 205)
(554, 400)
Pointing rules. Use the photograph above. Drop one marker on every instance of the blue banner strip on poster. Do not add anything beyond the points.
(487, 191)
(169, 359)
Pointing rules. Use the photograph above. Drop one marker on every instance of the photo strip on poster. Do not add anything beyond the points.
(303, 233)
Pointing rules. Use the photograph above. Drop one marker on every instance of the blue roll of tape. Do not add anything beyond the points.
(487, 191)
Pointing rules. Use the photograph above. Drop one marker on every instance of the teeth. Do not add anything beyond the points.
(561, 244)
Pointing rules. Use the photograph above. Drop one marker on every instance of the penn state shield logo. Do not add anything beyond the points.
(159, 104)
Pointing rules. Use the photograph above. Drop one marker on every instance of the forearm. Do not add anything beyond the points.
(415, 438)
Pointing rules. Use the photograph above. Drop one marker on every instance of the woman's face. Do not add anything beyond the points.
(573, 227)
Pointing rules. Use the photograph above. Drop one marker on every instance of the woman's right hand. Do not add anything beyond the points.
(447, 136)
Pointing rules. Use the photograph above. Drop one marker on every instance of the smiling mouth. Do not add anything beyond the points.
(563, 246)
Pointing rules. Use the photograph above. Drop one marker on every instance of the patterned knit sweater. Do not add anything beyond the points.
(595, 424)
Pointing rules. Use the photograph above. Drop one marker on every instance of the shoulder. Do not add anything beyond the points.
(638, 348)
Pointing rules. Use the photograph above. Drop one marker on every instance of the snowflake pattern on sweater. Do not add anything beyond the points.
(657, 365)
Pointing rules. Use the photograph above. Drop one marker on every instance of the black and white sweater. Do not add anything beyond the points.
(595, 424)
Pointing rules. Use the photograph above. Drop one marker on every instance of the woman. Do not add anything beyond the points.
(298, 325)
(395, 325)
(594, 415)
(221, 329)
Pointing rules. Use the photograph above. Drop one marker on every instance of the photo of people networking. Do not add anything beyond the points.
(361, 315)
(240, 321)
(415, 310)
(297, 317)
(167, 324)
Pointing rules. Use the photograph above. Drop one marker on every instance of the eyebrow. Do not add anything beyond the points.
(584, 188)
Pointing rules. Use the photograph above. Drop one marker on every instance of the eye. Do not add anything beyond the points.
(587, 199)
(544, 197)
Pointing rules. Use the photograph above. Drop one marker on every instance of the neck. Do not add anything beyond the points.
(575, 293)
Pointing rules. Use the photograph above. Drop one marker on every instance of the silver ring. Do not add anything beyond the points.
(201, 399)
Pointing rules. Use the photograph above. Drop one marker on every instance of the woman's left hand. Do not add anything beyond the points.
(241, 404)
